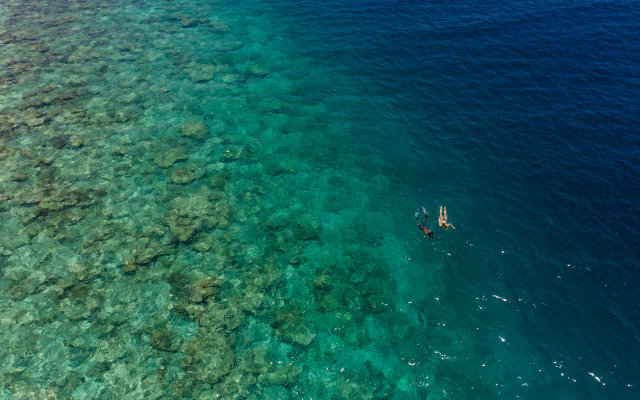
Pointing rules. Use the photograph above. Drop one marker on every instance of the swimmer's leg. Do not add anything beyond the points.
(424, 211)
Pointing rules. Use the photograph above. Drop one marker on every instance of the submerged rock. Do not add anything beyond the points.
(237, 385)
(217, 26)
(308, 227)
(236, 153)
(164, 341)
(149, 251)
(222, 316)
(60, 141)
(189, 22)
(203, 245)
(228, 45)
(202, 73)
(52, 198)
(37, 102)
(182, 176)
(85, 271)
(188, 214)
(35, 120)
(194, 130)
(17, 239)
(202, 290)
(286, 375)
(208, 358)
(76, 141)
(19, 176)
(27, 286)
(380, 303)
(170, 157)
(291, 328)
(218, 180)
(322, 280)
(42, 48)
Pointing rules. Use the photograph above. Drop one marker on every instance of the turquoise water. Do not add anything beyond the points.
(216, 199)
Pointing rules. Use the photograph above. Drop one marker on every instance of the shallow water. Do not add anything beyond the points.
(215, 199)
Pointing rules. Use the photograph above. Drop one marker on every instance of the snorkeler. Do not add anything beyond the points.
(424, 228)
(442, 219)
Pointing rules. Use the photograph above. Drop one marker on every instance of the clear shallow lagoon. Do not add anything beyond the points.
(215, 199)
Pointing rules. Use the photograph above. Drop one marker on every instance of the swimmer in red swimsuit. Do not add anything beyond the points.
(423, 227)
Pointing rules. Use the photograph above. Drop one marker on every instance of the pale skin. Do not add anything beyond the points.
(442, 219)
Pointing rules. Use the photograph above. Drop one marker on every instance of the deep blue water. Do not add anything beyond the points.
(523, 118)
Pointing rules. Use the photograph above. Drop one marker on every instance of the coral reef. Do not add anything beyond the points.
(194, 130)
(189, 214)
(174, 217)
(170, 157)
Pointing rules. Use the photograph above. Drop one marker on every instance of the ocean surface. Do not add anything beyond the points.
(214, 199)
